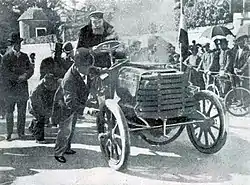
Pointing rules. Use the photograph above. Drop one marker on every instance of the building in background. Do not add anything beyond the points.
(33, 23)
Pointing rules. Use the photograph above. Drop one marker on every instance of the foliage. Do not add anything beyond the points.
(205, 13)
(10, 11)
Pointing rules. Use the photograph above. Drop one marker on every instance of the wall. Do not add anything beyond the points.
(34, 24)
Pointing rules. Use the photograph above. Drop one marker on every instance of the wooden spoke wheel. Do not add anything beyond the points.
(237, 101)
(210, 135)
(113, 135)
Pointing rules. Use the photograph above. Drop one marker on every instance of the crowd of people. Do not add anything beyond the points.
(65, 83)
(230, 65)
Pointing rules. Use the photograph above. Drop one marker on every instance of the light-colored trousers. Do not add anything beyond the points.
(65, 134)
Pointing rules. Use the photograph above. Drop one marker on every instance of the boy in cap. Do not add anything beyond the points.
(41, 101)
(70, 99)
(16, 69)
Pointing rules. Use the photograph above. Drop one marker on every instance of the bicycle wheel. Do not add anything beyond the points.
(237, 101)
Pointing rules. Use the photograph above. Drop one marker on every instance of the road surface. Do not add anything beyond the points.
(178, 163)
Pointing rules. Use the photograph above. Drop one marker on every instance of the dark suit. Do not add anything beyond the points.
(16, 91)
(222, 60)
(70, 98)
(242, 63)
(2, 101)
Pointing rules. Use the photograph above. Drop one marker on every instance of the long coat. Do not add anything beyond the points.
(243, 64)
(11, 68)
(70, 97)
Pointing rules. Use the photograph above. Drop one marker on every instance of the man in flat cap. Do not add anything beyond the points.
(70, 99)
(96, 32)
(16, 69)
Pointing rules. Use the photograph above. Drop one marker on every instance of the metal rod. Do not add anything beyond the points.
(167, 126)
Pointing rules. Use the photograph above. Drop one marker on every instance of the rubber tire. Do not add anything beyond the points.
(115, 109)
(228, 97)
(222, 136)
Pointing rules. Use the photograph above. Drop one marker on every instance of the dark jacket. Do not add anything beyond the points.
(41, 101)
(11, 68)
(242, 62)
(227, 61)
(71, 95)
(87, 40)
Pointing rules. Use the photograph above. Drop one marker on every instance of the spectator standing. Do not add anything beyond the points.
(241, 62)
(2, 101)
(71, 98)
(16, 69)
(193, 62)
(41, 101)
(69, 58)
(223, 63)
(206, 60)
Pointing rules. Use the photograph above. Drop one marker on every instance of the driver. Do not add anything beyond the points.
(96, 32)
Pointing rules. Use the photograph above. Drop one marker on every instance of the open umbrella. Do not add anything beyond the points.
(243, 31)
(216, 31)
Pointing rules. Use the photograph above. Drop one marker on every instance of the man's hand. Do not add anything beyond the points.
(22, 78)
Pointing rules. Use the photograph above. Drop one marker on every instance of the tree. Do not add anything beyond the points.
(11, 10)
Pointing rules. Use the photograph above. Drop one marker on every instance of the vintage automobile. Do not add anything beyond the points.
(157, 103)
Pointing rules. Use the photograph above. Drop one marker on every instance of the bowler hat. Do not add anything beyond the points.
(67, 47)
(15, 38)
(96, 14)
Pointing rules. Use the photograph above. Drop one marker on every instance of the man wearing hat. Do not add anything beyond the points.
(70, 99)
(40, 105)
(223, 64)
(16, 69)
(69, 51)
(206, 59)
(96, 32)
(241, 61)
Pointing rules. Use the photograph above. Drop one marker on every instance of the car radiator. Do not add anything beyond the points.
(163, 95)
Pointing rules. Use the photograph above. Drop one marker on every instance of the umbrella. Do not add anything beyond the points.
(216, 31)
(243, 31)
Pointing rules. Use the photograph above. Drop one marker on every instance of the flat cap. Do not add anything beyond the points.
(96, 14)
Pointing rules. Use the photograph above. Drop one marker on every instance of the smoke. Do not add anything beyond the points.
(137, 17)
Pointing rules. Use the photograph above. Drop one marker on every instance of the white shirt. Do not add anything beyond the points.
(240, 50)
